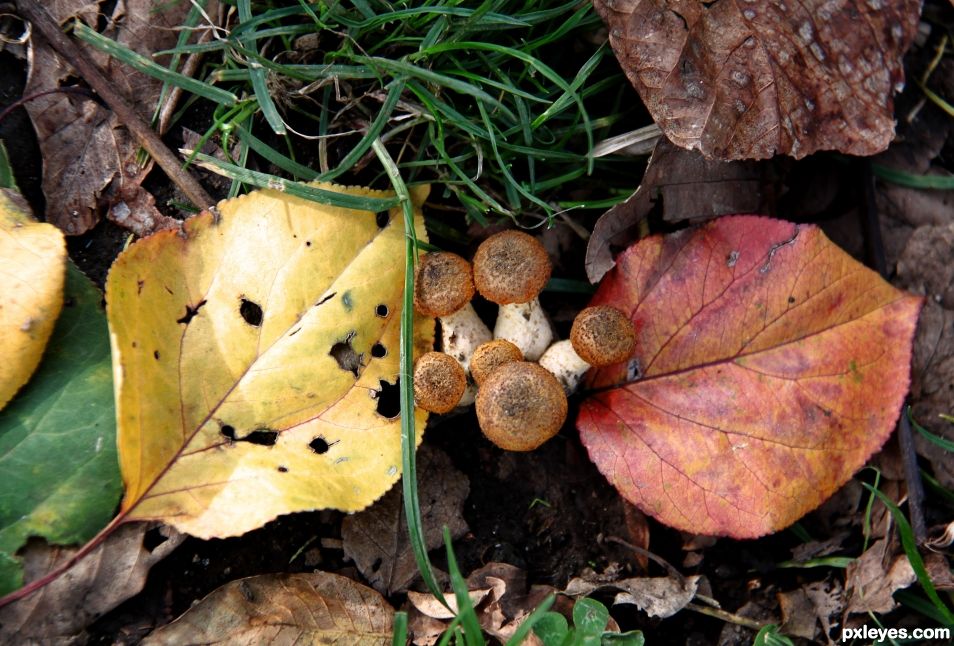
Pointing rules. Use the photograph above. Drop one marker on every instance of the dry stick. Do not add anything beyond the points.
(672, 571)
(874, 249)
(148, 139)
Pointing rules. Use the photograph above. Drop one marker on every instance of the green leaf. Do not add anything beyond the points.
(590, 618)
(769, 636)
(58, 459)
(552, 629)
(630, 638)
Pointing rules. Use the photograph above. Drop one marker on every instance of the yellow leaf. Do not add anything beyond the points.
(249, 355)
(32, 270)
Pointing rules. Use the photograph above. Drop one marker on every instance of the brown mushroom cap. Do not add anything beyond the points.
(511, 267)
(443, 283)
(439, 382)
(520, 406)
(489, 356)
(603, 335)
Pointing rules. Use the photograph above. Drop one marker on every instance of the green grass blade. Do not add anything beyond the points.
(399, 634)
(148, 67)
(270, 154)
(322, 196)
(465, 609)
(914, 556)
(259, 83)
(936, 440)
(523, 631)
(412, 506)
(374, 131)
(911, 180)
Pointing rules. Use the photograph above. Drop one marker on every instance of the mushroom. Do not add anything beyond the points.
(600, 336)
(443, 287)
(520, 406)
(490, 356)
(510, 269)
(603, 335)
(439, 382)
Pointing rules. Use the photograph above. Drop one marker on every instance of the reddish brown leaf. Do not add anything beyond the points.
(769, 367)
(752, 78)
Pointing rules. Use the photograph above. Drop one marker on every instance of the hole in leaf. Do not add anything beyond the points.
(251, 312)
(319, 445)
(347, 358)
(155, 353)
(228, 431)
(282, 469)
(381, 310)
(190, 312)
(261, 437)
(378, 351)
(382, 219)
(791, 299)
(389, 399)
(346, 300)
(69, 301)
(308, 243)
(153, 538)
(326, 299)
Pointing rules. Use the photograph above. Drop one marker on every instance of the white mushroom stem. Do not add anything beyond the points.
(461, 333)
(565, 364)
(526, 326)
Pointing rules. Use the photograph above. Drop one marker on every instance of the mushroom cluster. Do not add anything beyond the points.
(517, 376)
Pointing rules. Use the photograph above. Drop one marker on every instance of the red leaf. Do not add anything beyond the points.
(770, 366)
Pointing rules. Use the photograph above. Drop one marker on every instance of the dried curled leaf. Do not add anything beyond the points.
(255, 357)
(33, 266)
(317, 608)
(770, 366)
(752, 78)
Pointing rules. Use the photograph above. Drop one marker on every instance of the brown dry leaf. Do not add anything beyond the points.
(798, 614)
(317, 608)
(377, 538)
(84, 147)
(59, 612)
(873, 577)
(427, 605)
(657, 596)
(753, 78)
(501, 600)
(811, 608)
(686, 186)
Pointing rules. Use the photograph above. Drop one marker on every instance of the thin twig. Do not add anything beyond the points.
(91, 73)
(727, 617)
(874, 249)
(672, 571)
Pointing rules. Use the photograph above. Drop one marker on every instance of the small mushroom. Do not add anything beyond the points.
(511, 268)
(490, 356)
(520, 406)
(439, 382)
(443, 287)
(603, 335)
(443, 283)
